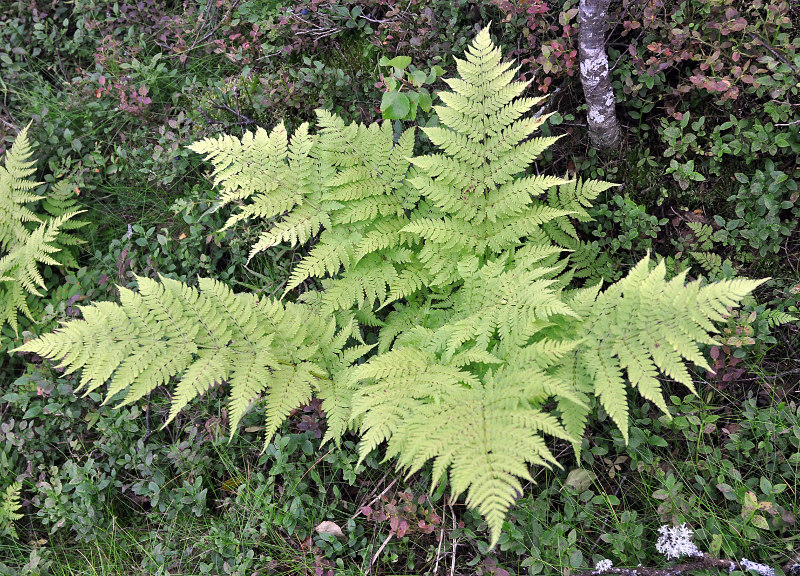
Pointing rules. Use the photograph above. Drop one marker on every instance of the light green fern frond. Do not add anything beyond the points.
(483, 202)
(777, 318)
(28, 240)
(483, 430)
(202, 338)
(9, 510)
(256, 164)
(15, 192)
(346, 188)
(646, 325)
(21, 263)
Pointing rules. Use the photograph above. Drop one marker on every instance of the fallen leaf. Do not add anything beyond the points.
(328, 527)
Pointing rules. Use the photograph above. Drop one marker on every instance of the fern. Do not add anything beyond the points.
(28, 239)
(201, 338)
(458, 264)
(9, 510)
(777, 318)
(645, 324)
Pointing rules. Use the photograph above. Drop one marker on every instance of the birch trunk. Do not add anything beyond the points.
(604, 129)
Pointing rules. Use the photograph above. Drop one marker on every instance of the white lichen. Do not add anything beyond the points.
(603, 565)
(762, 569)
(675, 542)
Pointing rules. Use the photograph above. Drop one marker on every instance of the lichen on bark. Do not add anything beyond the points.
(604, 128)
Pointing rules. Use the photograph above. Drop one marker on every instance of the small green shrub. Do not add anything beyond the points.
(766, 210)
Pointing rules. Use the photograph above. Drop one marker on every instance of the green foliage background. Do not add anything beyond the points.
(117, 92)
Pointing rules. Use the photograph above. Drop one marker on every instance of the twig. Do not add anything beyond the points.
(769, 377)
(147, 417)
(549, 102)
(377, 20)
(764, 43)
(378, 553)
(9, 124)
(216, 27)
(439, 548)
(315, 463)
(239, 115)
(455, 540)
(392, 483)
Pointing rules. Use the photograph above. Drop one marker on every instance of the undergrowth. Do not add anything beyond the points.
(77, 69)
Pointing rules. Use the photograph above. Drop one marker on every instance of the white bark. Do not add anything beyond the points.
(603, 125)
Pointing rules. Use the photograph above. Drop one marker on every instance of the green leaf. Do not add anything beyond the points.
(727, 491)
(401, 62)
(425, 101)
(580, 479)
(395, 105)
(417, 77)
(749, 505)
(759, 522)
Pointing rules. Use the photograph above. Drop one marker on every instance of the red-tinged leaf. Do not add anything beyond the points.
(738, 25)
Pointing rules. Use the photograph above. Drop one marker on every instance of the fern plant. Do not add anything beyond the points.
(9, 509)
(454, 265)
(29, 239)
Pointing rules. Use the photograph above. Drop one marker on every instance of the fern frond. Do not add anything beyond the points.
(203, 337)
(645, 324)
(777, 318)
(28, 240)
(9, 509)
(484, 432)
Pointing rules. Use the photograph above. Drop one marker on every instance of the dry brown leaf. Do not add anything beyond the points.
(328, 527)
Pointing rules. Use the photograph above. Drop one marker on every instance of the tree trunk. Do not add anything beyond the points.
(603, 126)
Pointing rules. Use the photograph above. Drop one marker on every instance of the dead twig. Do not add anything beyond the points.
(384, 491)
(439, 548)
(378, 553)
(455, 540)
